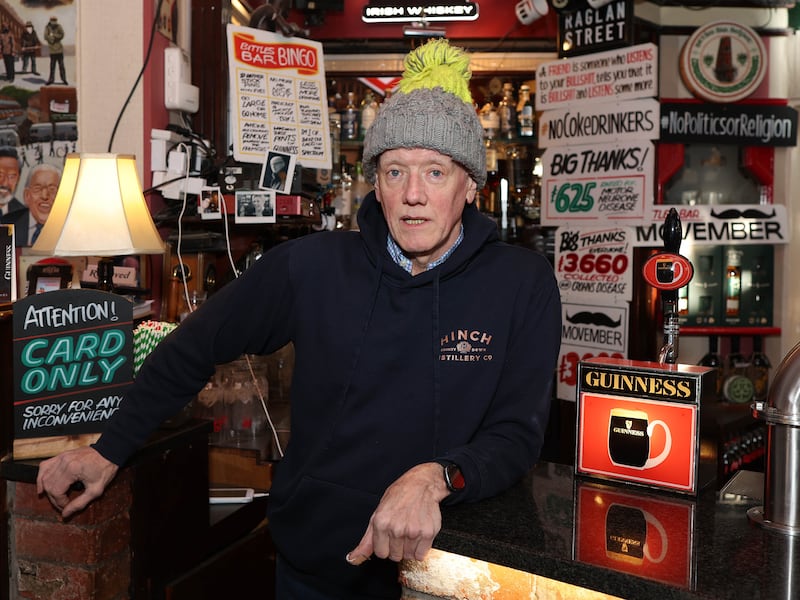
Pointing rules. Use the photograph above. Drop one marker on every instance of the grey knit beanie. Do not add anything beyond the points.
(429, 111)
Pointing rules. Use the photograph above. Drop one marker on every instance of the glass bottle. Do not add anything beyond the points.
(489, 199)
(350, 118)
(759, 370)
(733, 283)
(507, 110)
(713, 360)
(369, 110)
(737, 387)
(525, 113)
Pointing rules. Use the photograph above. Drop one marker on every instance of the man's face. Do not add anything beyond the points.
(9, 177)
(423, 194)
(41, 192)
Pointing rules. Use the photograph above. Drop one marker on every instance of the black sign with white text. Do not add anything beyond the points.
(586, 29)
(398, 11)
(739, 124)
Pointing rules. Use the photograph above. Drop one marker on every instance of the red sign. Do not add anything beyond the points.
(302, 57)
(667, 271)
(635, 533)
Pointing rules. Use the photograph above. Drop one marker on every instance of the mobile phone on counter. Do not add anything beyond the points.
(230, 495)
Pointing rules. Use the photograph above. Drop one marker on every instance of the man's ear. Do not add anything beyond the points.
(472, 191)
(377, 189)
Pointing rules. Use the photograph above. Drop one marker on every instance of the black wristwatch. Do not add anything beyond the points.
(453, 478)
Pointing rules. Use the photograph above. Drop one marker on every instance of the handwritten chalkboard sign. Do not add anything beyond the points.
(73, 359)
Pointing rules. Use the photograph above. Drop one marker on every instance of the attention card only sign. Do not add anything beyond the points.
(73, 359)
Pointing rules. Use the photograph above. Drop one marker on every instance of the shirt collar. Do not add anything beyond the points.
(405, 263)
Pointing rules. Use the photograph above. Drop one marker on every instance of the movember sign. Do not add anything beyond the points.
(720, 224)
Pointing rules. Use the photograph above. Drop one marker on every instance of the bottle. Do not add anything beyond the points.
(713, 360)
(738, 388)
(759, 370)
(369, 110)
(343, 202)
(350, 118)
(733, 283)
(507, 111)
(525, 113)
(489, 196)
(360, 189)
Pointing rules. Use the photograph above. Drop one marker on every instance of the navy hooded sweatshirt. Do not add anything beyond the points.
(390, 371)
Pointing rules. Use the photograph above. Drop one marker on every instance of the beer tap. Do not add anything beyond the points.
(668, 271)
(669, 298)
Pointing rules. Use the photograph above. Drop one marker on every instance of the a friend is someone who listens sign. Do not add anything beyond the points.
(73, 359)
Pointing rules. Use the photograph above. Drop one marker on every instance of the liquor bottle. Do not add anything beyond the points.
(737, 388)
(713, 360)
(759, 370)
(733, 283)
(489, 196)
(343, 203)
(350, 118)
(369, 110)
(507, 110)
(525, 114)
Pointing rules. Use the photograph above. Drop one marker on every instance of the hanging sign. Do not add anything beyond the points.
(73, 359)
(615, 75)
(634, 120)
(723, 61)
(589, 29)
(734, 124)
(407, 12)
(608, 182)
(720, 224)
(278, 97)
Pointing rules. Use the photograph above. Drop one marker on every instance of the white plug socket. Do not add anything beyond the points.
(179, 93)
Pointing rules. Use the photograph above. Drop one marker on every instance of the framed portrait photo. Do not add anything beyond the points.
(209, 203)
(277, 172)
(255, 206)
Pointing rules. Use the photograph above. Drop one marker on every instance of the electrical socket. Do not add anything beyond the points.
(179, 93)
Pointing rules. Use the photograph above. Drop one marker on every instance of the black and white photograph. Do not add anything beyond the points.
(277, 172)
(255, 207)
(208, 203)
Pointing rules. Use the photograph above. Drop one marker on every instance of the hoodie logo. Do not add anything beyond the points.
(465, 345)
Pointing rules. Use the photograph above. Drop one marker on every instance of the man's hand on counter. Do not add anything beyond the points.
(82, 470)
(407, 518)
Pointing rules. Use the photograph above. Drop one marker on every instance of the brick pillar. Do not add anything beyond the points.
(85, 558)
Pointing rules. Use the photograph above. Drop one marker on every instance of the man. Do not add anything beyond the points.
(39, 194)
(12, 210)
(275, 176)
(53, 35)
(424, 347)
(9, 51)
(29, 46)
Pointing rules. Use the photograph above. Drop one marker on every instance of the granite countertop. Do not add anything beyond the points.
(627, 541)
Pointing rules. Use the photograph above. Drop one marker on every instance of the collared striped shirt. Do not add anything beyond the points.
(405, 263)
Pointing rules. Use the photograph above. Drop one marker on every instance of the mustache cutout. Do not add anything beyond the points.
(593, 318)
(750, 213)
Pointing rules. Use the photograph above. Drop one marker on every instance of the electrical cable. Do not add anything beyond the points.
(139, 77)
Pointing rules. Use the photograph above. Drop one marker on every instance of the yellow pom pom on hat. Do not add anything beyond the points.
(433, 109)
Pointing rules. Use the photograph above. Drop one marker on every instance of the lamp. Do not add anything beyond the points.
(99, 210)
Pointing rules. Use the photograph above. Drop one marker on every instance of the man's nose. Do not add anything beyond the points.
(414, 193)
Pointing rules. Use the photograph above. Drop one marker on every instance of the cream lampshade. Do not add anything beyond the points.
(99, 210)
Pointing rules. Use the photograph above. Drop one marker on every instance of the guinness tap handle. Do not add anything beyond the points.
(672, 232)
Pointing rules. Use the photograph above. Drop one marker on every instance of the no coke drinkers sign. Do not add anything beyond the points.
(73, 359)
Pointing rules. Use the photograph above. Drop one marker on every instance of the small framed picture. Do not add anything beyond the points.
(255, 206)
(209, 205)
(277, 172)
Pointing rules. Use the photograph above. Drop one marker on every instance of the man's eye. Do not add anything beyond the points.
(436, 173)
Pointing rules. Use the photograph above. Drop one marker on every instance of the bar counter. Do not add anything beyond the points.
(628, 541)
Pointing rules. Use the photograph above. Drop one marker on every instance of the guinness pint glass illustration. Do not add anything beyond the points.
(629, 434)
(626, 535)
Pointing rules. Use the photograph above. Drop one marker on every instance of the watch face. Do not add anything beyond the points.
(454, 478)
